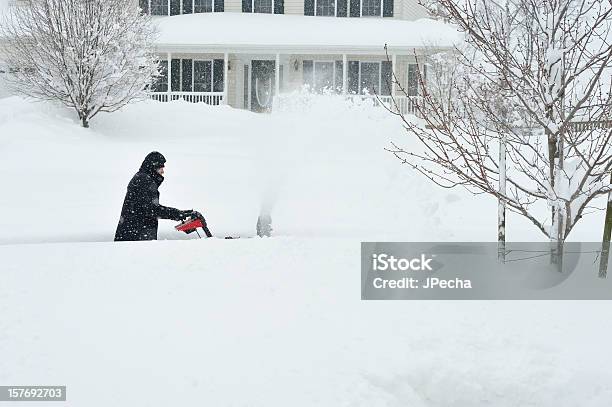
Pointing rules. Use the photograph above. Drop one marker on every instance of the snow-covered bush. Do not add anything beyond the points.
(91, 55)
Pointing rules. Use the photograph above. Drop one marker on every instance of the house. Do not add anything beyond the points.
(244, 52)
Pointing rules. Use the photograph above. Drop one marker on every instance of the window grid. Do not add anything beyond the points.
(162, 7)
(360, 83)
(314, 74)
(262, 6)
(325, 8)
(371, 8)
(193, 76)
(203, 6)
(159, 7)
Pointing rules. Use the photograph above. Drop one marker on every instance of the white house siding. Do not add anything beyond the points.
(294, 7)
(233, 6)
(411, 10)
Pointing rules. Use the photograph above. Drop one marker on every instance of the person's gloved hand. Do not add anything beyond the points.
(189, 213)
(198, 215)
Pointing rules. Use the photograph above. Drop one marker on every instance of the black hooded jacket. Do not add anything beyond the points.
(141, 208)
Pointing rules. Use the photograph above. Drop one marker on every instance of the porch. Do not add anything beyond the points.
(253, 81)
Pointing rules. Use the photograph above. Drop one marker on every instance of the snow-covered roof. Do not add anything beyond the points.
(247, 32)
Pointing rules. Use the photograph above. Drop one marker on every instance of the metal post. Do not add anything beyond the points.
(169, 74)
(277, 75)
(393, 65)
(344, 74)
(605, 247)
(225, 78)
(393, 102)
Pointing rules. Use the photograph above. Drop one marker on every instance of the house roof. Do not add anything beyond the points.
(250, 32)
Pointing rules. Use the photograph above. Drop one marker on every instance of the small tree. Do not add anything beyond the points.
(91, 55)
(529, 72)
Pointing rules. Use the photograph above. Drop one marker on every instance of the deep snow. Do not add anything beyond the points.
(235, 30)
(320, 164)
(277, 322)
(259, 322)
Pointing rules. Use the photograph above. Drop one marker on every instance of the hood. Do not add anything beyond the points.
(152, 162)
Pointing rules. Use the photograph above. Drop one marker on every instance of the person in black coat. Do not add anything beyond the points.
(141, 208)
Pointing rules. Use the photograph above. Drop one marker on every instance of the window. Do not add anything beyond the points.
(161, 82)
(203, 6)
(413, 81)
(325, 7)
(159, 7)
(371, 8)
(202, 76)
(263, 6)
(369, 78)
(323, 75)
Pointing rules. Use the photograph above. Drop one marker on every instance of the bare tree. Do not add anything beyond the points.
(91, 55)
(534, 78)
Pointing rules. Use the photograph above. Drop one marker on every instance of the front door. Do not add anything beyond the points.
(262, 85)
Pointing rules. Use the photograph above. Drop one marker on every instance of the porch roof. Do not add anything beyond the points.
(274, 33)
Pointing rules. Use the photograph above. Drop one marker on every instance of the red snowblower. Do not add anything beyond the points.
(192, 224)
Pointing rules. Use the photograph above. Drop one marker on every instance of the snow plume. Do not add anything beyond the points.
(92, 55)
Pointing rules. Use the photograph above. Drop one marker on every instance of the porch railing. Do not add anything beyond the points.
(211, 98)
(403, 104)
(591, 125)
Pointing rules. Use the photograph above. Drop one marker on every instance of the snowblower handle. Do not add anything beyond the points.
(192, 223)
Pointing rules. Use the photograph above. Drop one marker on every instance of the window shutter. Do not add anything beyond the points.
(175, 72)
(387, 8)
(338, 76)
(218, 66)
(341, 8)
(353, 77)
(355, 8)
(307, 73)
(187, 6)
(175, 7)
(279, 7)
(247, 6)
(219, 6)
(386, 76)
(309, 8)
(187, 66)
(144, 6)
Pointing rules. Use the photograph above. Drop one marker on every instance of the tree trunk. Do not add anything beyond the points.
(85, 122)
(501, 205)
(605, 247)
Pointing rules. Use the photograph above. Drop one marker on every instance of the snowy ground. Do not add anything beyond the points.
(259, 322)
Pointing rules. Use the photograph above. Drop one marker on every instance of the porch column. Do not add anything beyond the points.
(149, 8)
(393, 65)
(168, 74)
(277, 75)
(225, 78)
(344, 74)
